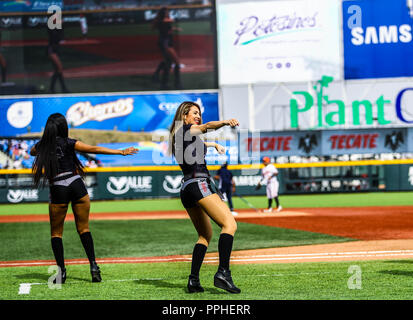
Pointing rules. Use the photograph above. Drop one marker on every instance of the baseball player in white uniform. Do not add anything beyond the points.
(269, 176)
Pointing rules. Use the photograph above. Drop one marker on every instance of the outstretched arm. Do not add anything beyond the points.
(212, 125)
(220, 149)
(83, 147)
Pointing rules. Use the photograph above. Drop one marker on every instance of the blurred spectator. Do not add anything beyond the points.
(3, 63)
(83, 25)
(18, 152)
(91, 164)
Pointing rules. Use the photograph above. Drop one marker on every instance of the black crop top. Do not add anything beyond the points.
(190, 152)
(165, 29)
(65, 152)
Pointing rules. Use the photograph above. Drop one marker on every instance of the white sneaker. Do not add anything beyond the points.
(268, 210)
(279, 209)
(234, 213)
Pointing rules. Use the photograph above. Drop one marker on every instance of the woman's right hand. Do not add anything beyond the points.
(232, 123)
(129, 151)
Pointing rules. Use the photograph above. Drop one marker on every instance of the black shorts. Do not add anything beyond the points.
(195, 191)
(65, 191)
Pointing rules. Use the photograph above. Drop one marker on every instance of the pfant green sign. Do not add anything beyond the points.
(338, 116)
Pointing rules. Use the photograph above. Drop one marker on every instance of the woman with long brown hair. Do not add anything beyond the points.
(56, 163)
(199, 199)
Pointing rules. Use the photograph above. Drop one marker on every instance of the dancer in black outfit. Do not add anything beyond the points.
(163, 23)
(56, 163)
(3, 63)
(53, 51)
(199, 199)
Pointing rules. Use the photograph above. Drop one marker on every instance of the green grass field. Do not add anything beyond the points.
(380, 279)
(138, 238)
(388, 280)
(287, 201)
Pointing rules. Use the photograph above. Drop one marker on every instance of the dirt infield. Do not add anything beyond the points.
(385, 233)
(361, 223)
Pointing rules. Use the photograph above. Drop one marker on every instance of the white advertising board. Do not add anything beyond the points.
(278, 41)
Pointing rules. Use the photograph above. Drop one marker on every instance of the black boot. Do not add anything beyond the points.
(194, 285)
(177, 72)
(155, 76)
(95, 272)
(165, 75)
(53, 82)
(61, 276)
(223, 280)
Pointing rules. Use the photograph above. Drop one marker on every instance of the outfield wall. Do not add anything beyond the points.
(155, 182)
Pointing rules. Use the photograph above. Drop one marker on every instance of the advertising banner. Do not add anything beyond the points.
(327, 142)
(28, 5)
(364, 141)
(328, 104)
(155, 184)
(278, 41)
(254, 146)
(378, 40)
(134, 112)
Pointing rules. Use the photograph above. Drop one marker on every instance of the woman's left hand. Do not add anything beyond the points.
(220, 149)
(129, 151)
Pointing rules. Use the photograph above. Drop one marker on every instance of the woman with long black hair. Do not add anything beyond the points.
(56, 163)
(198, 198)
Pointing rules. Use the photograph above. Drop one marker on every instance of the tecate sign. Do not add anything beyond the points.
(332, 112)
(121, 185)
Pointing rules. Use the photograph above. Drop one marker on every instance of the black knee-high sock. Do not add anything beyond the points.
(87, 242)
(160, 67)
(62, 82)
(277, 201)
(177, 73)
(3, 74)
(197, 258)
(57, 247)
(269, 203)
(224, 249)
(165, 75)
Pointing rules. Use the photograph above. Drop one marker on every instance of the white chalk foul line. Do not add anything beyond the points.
(251, 258)
(25, 288)
(315, 257)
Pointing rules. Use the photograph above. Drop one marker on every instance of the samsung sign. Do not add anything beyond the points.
(378, 39)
